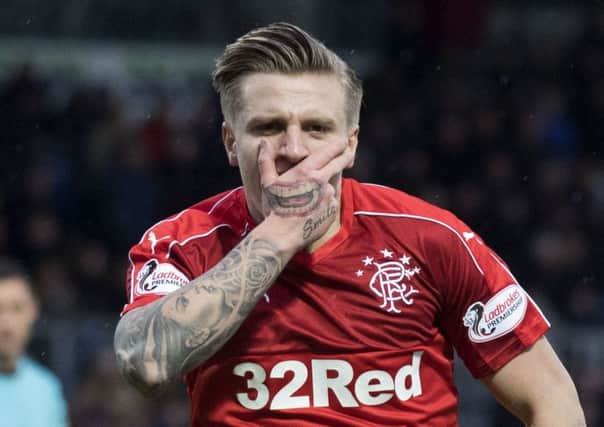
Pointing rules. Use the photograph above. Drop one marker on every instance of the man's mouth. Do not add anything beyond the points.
(294, 199)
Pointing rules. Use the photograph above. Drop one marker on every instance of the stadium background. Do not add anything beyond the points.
(108, 123)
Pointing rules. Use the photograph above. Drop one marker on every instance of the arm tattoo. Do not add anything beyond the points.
(182, 330)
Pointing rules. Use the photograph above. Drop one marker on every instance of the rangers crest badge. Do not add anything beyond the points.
(390, 280)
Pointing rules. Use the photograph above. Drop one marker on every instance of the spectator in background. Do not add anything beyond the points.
(31, 394)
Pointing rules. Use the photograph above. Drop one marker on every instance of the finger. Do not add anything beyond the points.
(266, 163)
(325, 155)
(336, 165)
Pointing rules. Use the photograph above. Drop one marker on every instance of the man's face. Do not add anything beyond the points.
(18, 311)
(298, 114)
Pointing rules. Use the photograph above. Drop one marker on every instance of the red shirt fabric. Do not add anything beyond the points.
(360, 332)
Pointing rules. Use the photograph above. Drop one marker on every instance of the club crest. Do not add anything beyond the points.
(390, 279)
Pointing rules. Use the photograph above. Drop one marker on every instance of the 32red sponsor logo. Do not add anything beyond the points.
(333, 377)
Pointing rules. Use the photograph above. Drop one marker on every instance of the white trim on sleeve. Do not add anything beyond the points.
(525, 292)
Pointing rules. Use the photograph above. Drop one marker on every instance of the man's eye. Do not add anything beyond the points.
(317, 128)
(268, 128)
(17, 308)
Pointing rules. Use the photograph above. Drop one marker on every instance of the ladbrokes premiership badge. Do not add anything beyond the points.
(390, 280)
(498, 316)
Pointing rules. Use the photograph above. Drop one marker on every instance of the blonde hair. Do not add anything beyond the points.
(286, 49)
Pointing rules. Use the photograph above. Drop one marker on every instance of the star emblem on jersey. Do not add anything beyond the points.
(386, 253)
(390, 279)
(367, 261)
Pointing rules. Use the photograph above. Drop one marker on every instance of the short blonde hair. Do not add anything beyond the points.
(286, 49)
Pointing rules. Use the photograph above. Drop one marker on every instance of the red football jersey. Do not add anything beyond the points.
(359, 332)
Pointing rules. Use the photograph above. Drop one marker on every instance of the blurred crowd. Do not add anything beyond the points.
(507, 134)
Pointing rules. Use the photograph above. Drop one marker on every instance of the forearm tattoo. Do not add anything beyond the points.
(182, 330)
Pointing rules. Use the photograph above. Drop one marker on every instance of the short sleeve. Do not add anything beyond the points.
(487, 316)
(155, 269)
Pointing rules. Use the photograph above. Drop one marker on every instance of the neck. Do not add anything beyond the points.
(8, 365)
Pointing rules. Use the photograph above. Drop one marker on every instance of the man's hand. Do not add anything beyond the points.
(301, 203)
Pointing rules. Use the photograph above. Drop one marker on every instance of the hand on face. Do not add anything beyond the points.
(302, 199)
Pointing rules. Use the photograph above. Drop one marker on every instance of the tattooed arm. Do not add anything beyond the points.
(159, 342)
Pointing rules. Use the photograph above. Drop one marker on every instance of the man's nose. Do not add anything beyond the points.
(292, 146)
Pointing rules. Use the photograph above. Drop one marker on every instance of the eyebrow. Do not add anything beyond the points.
(261, 120)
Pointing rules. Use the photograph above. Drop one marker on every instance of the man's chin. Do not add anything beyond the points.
(7, 359)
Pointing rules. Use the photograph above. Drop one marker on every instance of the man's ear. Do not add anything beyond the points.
(228, 139)
(353, 141)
